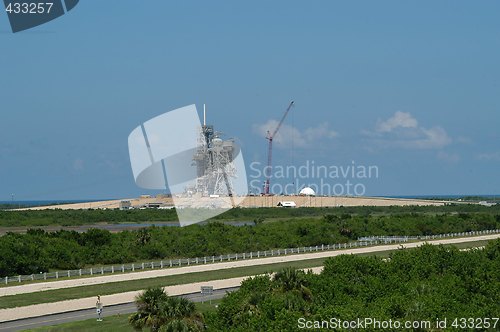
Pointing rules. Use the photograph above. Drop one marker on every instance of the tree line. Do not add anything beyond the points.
(428, 283)
(40, 251)
(32, 218)
(424, 284)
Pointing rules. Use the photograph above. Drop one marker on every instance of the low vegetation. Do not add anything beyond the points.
(112, 323)
(160, 312)
(421, 284)
(40, 251)
(62, 294)
(90, 217)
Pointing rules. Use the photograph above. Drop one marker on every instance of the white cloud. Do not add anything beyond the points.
(433, 138)
(448, 157)
(463, 140)
(300, 138)
(492, 156)
(398, 120)
(78, 165)
(402, 130)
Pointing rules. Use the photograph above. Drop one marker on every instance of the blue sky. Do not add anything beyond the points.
(411, 87)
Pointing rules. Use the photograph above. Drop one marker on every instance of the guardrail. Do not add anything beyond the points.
(361, 242)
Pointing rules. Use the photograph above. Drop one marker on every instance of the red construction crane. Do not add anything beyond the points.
(270, 137)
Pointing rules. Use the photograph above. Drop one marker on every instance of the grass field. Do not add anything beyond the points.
(126, 286)
(111, 323)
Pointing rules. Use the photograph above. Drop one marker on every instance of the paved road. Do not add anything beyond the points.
(123, 309)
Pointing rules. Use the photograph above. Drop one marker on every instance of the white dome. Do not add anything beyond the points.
(307, 191)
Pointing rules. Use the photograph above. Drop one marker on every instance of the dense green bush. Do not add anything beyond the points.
(89, 217)
(427, 283)
(82, 217)
(38, 251)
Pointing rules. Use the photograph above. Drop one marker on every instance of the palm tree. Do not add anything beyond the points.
(143, 236)
(181, 315)
(155, 309)
(294, 281)
(150, 307)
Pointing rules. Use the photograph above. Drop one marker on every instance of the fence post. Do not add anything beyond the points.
(45, 276)
(80, 272)
(123, 268)
(32, 277)
(205, 260)
(244, 256)
(251, 254)
(272, 252)
(180, 262)
(6, 280)
(258, 254)
(221, 258)
(91, 273)
(133, 267)
(152, 265)
(57, 276)
(143, 266)
(170, 262)
(102, 270)
(188, 261)
(161, 264)
(228, 257)
(112, 269)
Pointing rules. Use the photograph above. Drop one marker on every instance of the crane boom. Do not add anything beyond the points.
(270, 137)
(282, 119)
